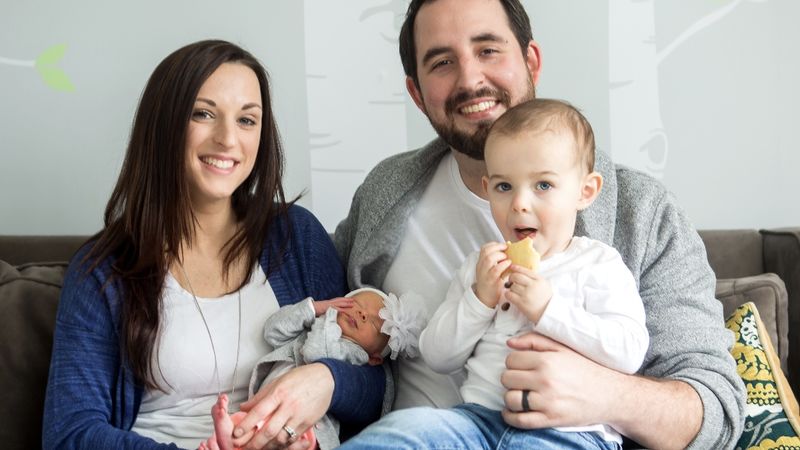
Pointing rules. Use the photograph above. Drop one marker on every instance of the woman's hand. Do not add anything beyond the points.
(295, 400)
(338, 303)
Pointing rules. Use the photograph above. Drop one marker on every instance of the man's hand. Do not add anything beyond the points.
(297, 399)
(568, 389)
(565, 388)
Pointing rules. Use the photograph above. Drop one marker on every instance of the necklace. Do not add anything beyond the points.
(210, 339)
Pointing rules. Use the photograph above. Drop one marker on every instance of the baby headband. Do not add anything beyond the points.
(403, 321)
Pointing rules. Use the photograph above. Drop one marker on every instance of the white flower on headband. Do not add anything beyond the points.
(404, 320)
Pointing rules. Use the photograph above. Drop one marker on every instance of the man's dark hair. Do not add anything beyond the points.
(518, 21)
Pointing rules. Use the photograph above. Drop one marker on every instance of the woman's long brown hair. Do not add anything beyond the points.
(149, 213)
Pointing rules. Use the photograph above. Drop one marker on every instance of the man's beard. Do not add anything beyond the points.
(472, 144)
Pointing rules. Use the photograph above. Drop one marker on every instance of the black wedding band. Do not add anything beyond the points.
(526, 407)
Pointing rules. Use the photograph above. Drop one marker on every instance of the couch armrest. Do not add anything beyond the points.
(782, 257)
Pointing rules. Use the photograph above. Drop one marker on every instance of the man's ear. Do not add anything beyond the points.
(592, 184)
(415, 94)
(375, 359)
(533, 60)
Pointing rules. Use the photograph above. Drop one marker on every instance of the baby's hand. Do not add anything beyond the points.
(529, 292)
(339, 303)
(492, 261)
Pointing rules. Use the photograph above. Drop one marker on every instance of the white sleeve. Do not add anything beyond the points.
(607, 324)
(457, 325)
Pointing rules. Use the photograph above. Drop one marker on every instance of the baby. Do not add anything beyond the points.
(363, 327)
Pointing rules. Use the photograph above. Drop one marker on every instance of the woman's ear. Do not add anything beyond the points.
(592, 184)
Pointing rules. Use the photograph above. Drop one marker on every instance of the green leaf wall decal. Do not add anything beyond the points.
(52, 55)
(55, 78)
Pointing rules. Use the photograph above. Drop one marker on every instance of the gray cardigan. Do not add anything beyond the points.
(635, 214)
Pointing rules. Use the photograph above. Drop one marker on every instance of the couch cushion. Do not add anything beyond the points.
(771, 411)
(768, 292)
(28, 300)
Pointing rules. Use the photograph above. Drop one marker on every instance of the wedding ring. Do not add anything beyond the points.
(526, 407)
(290, 431)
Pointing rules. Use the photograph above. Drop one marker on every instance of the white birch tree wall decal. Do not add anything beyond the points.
(637, 134)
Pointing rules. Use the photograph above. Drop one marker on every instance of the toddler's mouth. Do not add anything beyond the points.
(523, 232)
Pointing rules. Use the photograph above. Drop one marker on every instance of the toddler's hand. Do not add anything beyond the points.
(492, 261)
(529, 292)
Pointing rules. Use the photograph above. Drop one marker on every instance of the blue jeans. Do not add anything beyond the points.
(467, 426)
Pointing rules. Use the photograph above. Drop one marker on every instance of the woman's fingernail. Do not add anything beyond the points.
(238, 432)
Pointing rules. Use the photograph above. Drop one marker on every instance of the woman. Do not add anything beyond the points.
(163, 309)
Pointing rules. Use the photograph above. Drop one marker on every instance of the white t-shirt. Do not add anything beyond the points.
(449, 223)
(186, 362)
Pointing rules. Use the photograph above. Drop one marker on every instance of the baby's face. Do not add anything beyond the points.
(534, 186)
(362, 324)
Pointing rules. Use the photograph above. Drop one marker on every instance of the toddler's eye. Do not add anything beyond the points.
(503, 187)
(543, 186)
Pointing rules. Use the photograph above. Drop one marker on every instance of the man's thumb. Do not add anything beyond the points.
(534, 341)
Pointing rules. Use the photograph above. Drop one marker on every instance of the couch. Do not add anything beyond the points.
(762, 267)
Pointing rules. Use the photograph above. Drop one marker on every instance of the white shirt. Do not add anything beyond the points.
(185, 361)
(595, 310)
(449, 223)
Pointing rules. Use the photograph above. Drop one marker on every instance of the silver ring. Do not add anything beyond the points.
(526, 407)
(290, 431)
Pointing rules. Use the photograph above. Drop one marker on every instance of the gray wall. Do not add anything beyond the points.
(700, 94)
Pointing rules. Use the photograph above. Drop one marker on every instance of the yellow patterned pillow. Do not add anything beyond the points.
(771, 413)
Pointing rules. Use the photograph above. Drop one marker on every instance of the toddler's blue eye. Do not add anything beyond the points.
(543, 186)
(503, 187)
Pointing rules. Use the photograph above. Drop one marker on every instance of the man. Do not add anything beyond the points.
(419, 214)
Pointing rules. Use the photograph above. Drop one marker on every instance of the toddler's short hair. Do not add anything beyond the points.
(543, 114)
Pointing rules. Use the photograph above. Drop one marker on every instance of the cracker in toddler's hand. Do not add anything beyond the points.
(523, 254)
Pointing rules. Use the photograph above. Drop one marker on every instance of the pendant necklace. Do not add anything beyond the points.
(211, 340)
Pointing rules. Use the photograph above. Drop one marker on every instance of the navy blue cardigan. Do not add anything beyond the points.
(92, 399)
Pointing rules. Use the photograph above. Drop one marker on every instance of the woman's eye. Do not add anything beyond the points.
(503, 187)
(201, 114)
(543, 186)
(247, 121)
